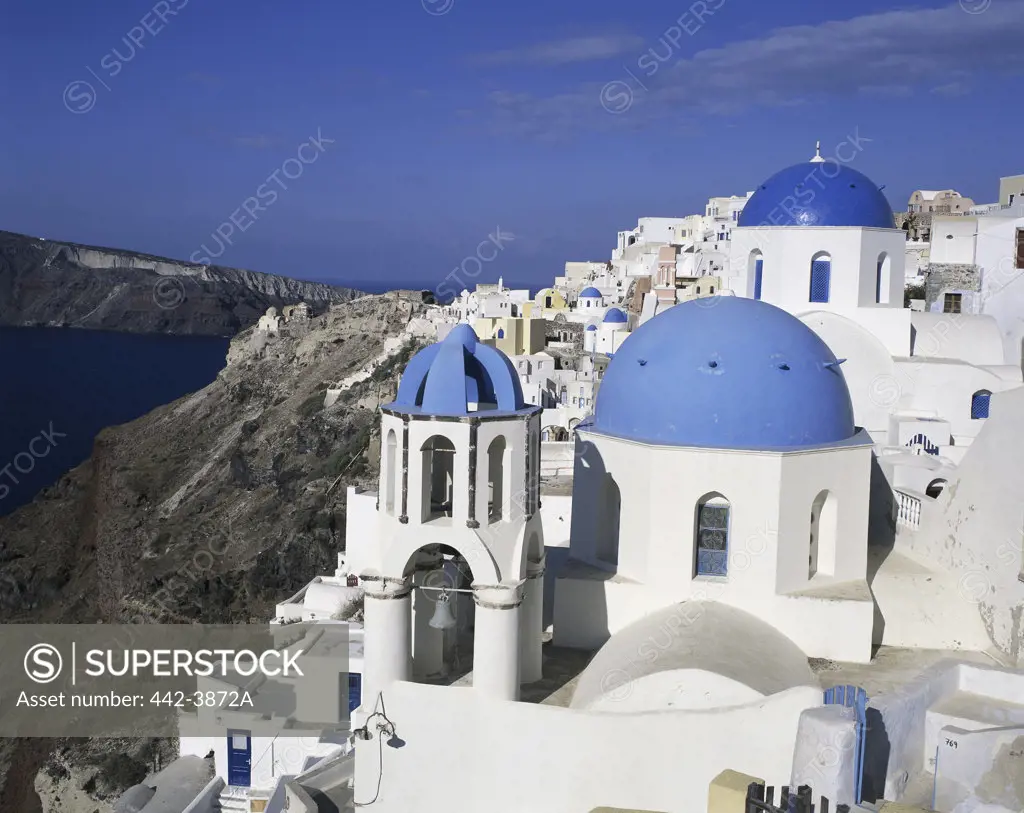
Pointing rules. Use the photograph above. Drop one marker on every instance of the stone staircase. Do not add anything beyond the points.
(242, 800)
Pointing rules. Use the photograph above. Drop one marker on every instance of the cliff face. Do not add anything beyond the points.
(212, 508)
(43, 282)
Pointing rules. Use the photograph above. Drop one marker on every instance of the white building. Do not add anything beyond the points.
(976, 266)
(790, 468)
(489, 300)
(818, 240)
(720, 536)
(290, 727)
(607, 334)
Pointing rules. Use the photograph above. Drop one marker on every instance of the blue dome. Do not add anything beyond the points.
(825, 193)
(445, 378)
(591, 327)
(725, 372)
(590, 292)
(615, 316)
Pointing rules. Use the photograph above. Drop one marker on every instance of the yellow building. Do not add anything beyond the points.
(696, 287)
(548, 302)
(512, 335)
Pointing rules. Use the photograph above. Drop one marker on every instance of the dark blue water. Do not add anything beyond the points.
(60, 387)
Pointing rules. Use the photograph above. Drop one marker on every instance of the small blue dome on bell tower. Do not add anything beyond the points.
(459, 376)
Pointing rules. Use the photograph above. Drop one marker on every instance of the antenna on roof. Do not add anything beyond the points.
(817, 159)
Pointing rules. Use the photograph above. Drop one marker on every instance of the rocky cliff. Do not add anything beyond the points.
(212, 508)
(43, 282)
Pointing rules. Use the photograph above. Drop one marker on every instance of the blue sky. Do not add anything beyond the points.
(426, 125)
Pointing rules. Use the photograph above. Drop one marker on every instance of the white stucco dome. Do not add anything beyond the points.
(693, 655)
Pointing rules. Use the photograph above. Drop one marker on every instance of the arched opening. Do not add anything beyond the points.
(979, 404)
(821, 276)
(501, 333)
(711, 533)
(554, 434)
(441, 655)
(755, 269)
(882, 279)
(495, 479)
(389, 472)
(610, 508)
(438, 478)
(935, 488)
(823, 535)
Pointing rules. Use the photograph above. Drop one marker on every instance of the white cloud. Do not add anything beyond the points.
(891, 53)
(566, 51)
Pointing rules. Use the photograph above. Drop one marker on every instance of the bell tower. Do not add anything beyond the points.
(457, 517)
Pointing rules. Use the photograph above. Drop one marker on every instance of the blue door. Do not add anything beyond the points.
(239, 758)
(355, 691)
(856, 698)
(758, 269)
(821, 272)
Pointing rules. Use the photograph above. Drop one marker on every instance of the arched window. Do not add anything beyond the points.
(935, 488)
(712, 536)
(821, 277)
(979, 404)
(882, 279)
(389, 473)
(501, 333)
(755, 268)
(823, 536)
(438, 478)
(495, 478)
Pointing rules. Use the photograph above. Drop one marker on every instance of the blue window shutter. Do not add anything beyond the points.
(712, 539)
(355, 690)
(758, 270)
(501, 333)
(821, 272)
(979, 404)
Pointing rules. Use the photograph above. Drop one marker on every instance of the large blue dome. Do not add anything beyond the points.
(725, 372)
(823, 193)
(457, 376)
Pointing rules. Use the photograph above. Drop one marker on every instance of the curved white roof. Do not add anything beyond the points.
(696, 636)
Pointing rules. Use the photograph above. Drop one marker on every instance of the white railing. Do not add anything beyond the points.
(908, 510)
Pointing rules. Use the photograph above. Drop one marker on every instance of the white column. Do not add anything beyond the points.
(531, 626)
(496, 640)
(387, 625)
(427, 642)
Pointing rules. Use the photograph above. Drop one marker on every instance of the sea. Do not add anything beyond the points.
(61, 386)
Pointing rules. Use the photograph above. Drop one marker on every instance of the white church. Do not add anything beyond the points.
(793, 485)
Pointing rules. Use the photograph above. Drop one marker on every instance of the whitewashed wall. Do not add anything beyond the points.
(770, 495)
(511, 757)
